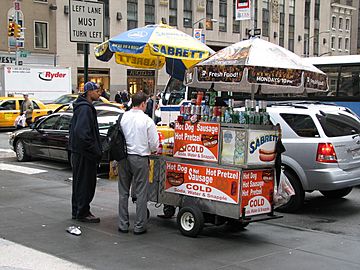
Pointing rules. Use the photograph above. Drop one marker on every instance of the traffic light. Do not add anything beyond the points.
(17, 30)
(11, 29)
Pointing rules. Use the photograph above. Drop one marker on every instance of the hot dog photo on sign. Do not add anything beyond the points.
(261, 148)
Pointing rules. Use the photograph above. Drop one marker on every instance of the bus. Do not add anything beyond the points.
(344, 88)
(343, 73)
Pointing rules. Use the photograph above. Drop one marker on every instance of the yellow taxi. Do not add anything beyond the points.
(10, 109)
(69, 98)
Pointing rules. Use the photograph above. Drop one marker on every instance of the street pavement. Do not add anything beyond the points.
(35, 212)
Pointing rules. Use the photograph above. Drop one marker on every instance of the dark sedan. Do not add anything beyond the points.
(48, 137)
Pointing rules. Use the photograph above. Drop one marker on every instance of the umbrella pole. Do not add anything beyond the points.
(252, 91)
(155, 85)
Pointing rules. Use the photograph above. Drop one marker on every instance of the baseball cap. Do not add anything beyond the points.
(90, 86)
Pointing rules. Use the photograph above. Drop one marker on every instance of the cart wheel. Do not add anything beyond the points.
(169, 211)
(190, 221)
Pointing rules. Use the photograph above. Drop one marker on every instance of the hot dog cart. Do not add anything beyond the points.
(219, 172)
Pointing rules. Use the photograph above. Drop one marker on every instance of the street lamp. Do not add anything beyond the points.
(307, 43)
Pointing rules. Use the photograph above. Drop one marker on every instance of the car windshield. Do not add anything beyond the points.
(338, 124)
(64, 99)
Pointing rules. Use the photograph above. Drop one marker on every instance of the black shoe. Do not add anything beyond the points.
(123, 231)
(73, 217)
(140, 232)
(89, 219)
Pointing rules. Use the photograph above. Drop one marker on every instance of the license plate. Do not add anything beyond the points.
(355, 153)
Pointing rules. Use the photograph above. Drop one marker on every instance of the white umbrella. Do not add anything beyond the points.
(269, 67)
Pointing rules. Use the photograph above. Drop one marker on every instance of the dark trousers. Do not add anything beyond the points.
(28, 121)
(83, 185)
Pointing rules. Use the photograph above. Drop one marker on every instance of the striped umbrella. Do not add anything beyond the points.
(152, 46)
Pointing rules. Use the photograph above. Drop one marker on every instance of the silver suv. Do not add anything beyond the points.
(322, 149)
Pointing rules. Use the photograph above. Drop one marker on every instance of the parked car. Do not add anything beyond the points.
(10, 109)
(69, 98)
(48, 137)
(322, 149)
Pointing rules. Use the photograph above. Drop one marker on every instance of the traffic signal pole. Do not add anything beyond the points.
(15, 32)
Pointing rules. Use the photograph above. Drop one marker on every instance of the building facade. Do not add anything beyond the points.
(38, 21)
(306, 27)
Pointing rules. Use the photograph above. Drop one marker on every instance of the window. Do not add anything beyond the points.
(349, 81)
(236, 24)
(337, 125)
(347, 24)
(255, 2)
(332, 43)
(333, 22)
(265, 18)
(63, 123)
(340, 43)
(106, 19)
(132, 14)
(35, 105)
(307, 14)
(41, 35)
(291, 25)
(316, 42)
(149, 12)
(8, 105)
(222, 15)
(340, 23)
(317, 10)
(80, 47)
(49, 122)
(173, 13)
(282, 23)
(209, 14)
(347, 44)
(188, 13)
(303, 125)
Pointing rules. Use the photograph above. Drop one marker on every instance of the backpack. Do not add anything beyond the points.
(116, 143)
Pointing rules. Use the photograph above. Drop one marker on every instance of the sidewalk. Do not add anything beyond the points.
(35, 212)
(15, 256)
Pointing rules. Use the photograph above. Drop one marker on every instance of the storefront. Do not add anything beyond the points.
(139, 79)
(99, 76)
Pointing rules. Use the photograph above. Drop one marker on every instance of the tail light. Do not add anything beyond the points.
(326, 153)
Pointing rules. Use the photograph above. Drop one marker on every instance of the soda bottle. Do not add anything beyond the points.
(199, 97)
(212, 99)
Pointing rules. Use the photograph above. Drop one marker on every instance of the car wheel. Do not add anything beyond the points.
(338, 193)
(190, 221)
(20, 150)
(296, 201)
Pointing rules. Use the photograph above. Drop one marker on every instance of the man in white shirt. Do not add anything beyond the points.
(141, 140)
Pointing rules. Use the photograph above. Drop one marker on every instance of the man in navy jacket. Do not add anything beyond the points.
(86, 152)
